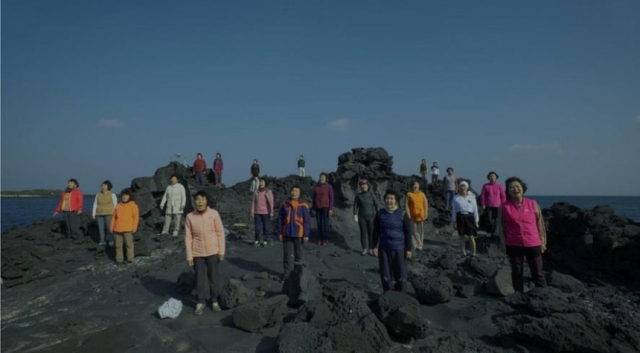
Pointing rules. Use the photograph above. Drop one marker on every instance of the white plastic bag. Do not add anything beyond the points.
(170, 309)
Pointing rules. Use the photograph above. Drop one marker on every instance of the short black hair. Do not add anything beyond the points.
(511, 180)
(295, 187)
(218, 154)
(199, 154)
(301, 156)
(494, 173)
(174, 176)
(449, 168)
(325, 175)
(393, 192)
(127, 191)
(424, 161)
(75, 182)
(108, 184)
(203, 194)
(415, 182)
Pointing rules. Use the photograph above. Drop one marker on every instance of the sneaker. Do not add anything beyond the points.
(102, 243)
(215, 307)
(365, 251)
(175, 235)
(256, 243)
(264, 243)
(111, 243)
(120, 263)
(199, 310)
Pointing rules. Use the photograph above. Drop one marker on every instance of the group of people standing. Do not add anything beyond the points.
(391, 233)
(200, 171)
(117, 221)
(388, 231)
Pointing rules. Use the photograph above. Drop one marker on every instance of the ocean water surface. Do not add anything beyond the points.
(21, 212)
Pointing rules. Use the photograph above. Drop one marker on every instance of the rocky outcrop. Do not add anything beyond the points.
(255, 317)
(399, 312)
(235, 294)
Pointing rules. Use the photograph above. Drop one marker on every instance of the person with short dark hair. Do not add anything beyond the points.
(523, 232)
(295, 225)
(218, 167)
(491, 198)
(301, 165)
(262, 209)
(175, 198)
(417, 207)
(71, 202)
(323, 207)
(124, 223)
(103, 206)
(365, 208)
(392, 242)
(465, 217)
(199, 168)
(450, 187)
(205, 247)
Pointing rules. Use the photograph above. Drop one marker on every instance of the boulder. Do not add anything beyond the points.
(144, 183)
(500, 283)
(565, 283)
(145, 201)
(186, 282)
(297, 337)
(235, 294)
(400, 314)
(255, 317)
(433, 290)
(302, 286)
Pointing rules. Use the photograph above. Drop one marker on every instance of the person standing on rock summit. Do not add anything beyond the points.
(392, 242)
(491, 199)
(465, 218)
(262, 209)
(294, 224)
(301, 165)
(175, 199)
(124, 223)
(205, 247)
(450, 187)
(365, 208)
(323, 207)
(71, 202)
(199, 168)
(435, 173)
(103, 206)
(417, 207)
(255, 175)
(424, 170)
(523, 232)
(218, 167)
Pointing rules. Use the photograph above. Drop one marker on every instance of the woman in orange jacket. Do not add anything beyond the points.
(124, 223)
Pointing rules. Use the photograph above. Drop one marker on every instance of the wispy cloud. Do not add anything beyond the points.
(339, 124)
(110, 123)
(537, 147)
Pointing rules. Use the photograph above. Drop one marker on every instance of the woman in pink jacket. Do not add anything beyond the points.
(491, 199)
(523, 233)
(261, 211)
(205, 247)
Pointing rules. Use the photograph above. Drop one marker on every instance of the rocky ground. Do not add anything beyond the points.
(67, 295)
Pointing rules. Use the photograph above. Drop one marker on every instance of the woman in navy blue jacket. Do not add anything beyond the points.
(392, 242)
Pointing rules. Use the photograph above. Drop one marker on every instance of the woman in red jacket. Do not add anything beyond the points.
(70, 206)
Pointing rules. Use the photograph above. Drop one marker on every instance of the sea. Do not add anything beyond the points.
(20, 212)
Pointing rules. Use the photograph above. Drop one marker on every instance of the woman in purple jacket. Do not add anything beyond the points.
(491, 199)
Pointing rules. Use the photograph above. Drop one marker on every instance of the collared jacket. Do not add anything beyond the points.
(204, 234)
(294, 219)
(76, 198)
(175, 198)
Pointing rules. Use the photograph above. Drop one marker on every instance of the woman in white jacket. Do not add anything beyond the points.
(175, 199)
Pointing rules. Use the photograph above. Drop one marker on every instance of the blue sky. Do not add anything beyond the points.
(549, 91)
